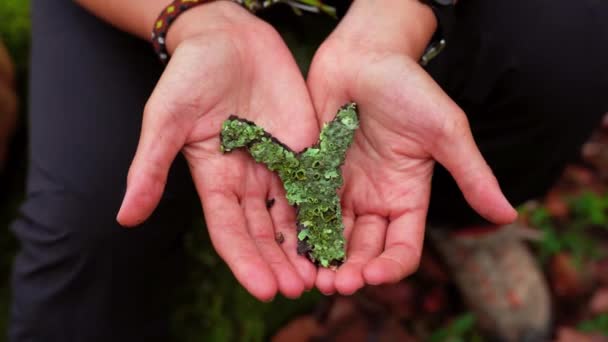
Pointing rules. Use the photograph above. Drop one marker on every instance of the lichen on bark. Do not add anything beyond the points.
(311, 178)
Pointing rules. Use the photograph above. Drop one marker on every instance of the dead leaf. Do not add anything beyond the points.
(567, 280)
(601, 271)
(431, 267)
(342, 307)
(556, 205)
(579, 175)
(399, 299)
(599, 301)
(435, 300)
(567, 334)
(301, 329)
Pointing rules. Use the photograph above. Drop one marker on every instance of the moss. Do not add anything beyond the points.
(311, 178)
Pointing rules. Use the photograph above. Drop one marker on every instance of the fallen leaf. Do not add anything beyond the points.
(566, 278)
(567, 334)
(435, 300)
(601, 271)
(341, 308)
(556, 204)
(354, 329)
(431, 268)
(579, 175)
(393, 331)
(301, 329)
(599, 302)
(399, 299)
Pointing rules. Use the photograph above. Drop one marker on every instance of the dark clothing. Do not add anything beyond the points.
(531, 75)
(79, 276)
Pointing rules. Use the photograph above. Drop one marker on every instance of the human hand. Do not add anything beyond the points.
(226, 61)
(406, 123)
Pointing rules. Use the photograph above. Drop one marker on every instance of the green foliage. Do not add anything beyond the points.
(310, 178)
(461, 329)
(587, 210)
(590, 209)
(15, 29)
(212, 306)
(551, 243)
(598, 324)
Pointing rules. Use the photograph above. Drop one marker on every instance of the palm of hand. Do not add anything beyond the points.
(208, 78)
(406, 123)
(311, 178)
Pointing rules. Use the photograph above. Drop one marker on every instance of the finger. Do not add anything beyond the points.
(458, 153)
(402, 250)
(159, 143)
(326, 97)
(180, 98)
(326, 281)
(262, 231)
(348, 219)
(226, 224)
(284, 218)
(365, 243)
(326, 278)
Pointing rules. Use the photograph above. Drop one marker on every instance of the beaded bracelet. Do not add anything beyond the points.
(164, 21)
(177, 7)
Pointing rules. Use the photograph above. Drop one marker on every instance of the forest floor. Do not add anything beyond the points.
(568, 233)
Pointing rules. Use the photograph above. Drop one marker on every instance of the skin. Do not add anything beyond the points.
(310, 177)
(226, 61)
(407, 122)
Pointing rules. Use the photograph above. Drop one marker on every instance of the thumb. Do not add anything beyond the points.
(159, 142)
(457, 152)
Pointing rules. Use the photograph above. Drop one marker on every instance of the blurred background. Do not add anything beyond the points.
(567, 230)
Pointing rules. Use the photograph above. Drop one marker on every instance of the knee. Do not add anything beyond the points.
(74, 255)
(63, 220)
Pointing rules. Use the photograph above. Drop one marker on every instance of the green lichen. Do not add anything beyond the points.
(311, 178)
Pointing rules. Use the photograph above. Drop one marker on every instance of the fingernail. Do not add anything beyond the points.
(268, 300)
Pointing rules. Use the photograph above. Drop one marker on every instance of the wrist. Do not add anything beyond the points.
(224, 16)
(404, 26)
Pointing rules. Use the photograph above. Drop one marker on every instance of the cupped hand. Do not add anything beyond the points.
(226, 61)
(406, 124)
